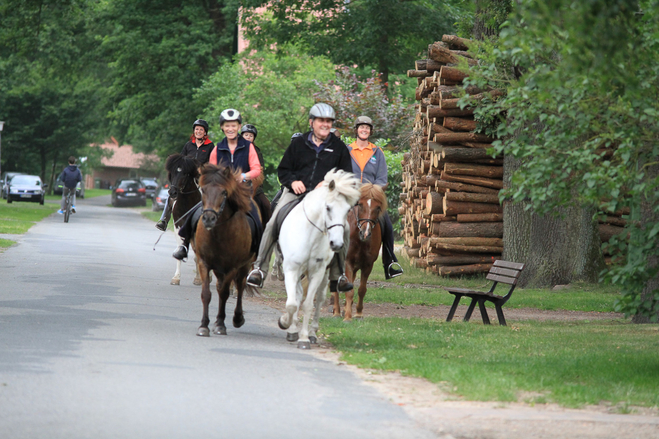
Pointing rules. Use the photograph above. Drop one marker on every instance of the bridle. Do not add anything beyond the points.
(218, 213)
(185, 180)
(360, 221)
(324, 232)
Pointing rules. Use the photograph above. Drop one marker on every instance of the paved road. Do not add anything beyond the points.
(95, 343)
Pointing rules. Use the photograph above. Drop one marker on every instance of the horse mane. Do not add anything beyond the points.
(345, 183)
(188, 165)
(239, 195)
(375, 192)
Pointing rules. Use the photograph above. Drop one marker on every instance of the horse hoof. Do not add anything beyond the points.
(175, 282)
(347, 320)
(358, 317)
(220, 330)
(292, 337)
(313, 340)
(195, 282)
(303, 345)
(203, 332)
(237, 323)
(281, 326)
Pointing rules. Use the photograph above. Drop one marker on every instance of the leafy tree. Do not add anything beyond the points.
(273, 91)
(387, 35)
(581, 113)
(158, 53)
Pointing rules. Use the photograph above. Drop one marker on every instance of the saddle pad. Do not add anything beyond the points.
(282, 214)
(256, 227)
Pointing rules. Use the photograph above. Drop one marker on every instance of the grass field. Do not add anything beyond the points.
(89, 193)
(17, 218)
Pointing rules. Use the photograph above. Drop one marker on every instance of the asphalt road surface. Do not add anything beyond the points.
(95, 343)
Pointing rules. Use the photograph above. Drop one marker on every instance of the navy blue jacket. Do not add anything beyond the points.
(70, 176)
(240, 157)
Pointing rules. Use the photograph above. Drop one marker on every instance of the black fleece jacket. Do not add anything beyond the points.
(301, 162)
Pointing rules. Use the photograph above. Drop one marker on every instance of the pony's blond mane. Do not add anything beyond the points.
(345, 184)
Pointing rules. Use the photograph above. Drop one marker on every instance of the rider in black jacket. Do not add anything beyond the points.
(303, 167)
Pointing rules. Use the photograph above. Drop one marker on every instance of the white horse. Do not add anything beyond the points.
(310, 235)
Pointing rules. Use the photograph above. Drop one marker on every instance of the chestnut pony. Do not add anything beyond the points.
(183, 191)
(223, 242)
(365, 243)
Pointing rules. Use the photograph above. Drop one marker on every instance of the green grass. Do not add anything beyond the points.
(155, 216)
(4, 243)
(572, 364)
(17, 218)
(89, 193)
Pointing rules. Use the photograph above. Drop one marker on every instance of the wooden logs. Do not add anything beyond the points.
(464, 187)
(471, 197)
(456, 42)
(417, 73)
(479, 181)
(434, 203)
(492, 242)
(457, 154)
(485, 230)
(450, 248)
(452, 74)
(479, 217)
(439, 52)
(434, 111)
(475, 170)
(434, 259)
(459, 124)
(460, 137)
(464, 269)
(451, 207)
(607, 231)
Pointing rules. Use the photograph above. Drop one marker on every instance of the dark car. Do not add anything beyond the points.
(150, 184)
(128, 192)
(59, 187)
(159, 201)
(26, 188)
(6, 178)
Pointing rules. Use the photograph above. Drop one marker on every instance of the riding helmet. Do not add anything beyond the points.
(363, 120)
(249, 128)
(230, 114)
(322, 110)
(296, 135)
(202, 123)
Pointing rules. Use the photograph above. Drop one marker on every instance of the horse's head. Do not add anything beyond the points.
(342, 193)
(182, 172)
(220, 189)
(372, 205)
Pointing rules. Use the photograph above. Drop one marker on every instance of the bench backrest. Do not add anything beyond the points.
(505, 272)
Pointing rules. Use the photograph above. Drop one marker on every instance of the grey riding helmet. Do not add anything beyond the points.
(202, 123)
(229, 115)
(322, 110)
(364, 120)
(296, 135)
(249, 128)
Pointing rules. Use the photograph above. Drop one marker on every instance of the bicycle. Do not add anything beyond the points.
(68, 204)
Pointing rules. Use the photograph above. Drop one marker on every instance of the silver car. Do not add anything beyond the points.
(26, 188)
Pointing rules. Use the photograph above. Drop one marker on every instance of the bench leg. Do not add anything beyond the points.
(472, 305)
(481, 306)
(451, 313)
(502, 319)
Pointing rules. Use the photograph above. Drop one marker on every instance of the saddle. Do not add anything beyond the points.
(282, 214)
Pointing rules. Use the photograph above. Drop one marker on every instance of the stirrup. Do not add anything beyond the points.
(347, 286)
(397, 273)
(255, 278)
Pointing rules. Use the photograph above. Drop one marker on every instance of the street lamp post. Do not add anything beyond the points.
(1, 125)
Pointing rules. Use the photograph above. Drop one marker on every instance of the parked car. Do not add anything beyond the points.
(150, 184)
(4, 184)
(128, 192)
(159, 201)
(26, 188)
(59, 188)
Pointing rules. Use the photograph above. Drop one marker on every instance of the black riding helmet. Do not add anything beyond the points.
(201, 123)
(249, 128)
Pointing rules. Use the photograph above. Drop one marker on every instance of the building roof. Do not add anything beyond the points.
(124, 157)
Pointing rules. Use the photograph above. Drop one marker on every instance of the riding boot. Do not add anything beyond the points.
(256, 277)
(181, 252)
(342, 283)
(389, 261)
(164, 218)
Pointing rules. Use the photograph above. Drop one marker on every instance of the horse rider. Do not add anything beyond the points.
(234, 152)
(249, 133)
(370, 165)
(302, 168)
(198, 147)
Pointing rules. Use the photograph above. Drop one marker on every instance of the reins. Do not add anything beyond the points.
(318, 228)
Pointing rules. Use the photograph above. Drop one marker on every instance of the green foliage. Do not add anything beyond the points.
(572, 364)
(273, 91)
(581, 78)
(387, 35)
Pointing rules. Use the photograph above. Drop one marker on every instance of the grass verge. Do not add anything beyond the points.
(572, 364)
(89, 193)
(4, 243)
(17, 218)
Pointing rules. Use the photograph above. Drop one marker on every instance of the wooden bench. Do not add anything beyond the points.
(502, 271)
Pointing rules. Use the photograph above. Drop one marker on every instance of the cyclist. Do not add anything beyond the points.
(70, 176)
(302, 168)
(369, 164)
(232, 151)
(199, 147)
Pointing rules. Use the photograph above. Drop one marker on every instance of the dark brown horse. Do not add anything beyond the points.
(183, 174)
(223, 242)
(365, 243)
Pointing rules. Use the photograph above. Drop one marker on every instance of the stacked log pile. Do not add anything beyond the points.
(452, 218)
(610, 225)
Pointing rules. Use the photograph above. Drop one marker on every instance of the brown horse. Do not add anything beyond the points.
(223, 242)
(365, 243)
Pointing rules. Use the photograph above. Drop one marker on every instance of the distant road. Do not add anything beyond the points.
(95, 343)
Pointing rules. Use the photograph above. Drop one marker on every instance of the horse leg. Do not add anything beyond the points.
(197, 279)
(291, 281)
(366, 272)
(320, 299)
(292, 333)
(176, 280)
(240, 280)
(307, 305)
(223, 290)
(351, 274)
(205, 300)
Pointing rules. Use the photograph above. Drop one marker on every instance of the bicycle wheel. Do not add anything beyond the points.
(67, 211)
